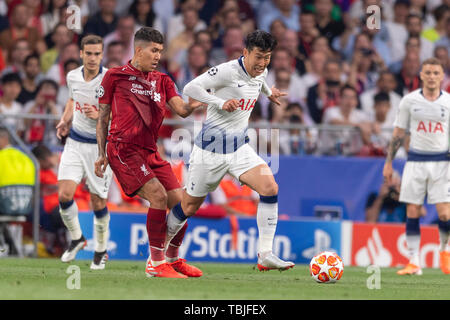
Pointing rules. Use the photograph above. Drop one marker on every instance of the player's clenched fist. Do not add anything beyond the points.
(230, 105)
(100, 165)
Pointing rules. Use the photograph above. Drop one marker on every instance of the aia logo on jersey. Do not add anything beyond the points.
(247, 104)
(99, 92)
(430, 127)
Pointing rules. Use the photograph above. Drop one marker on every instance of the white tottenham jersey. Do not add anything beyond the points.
(223, 131)
(83, 93)
(427, 121)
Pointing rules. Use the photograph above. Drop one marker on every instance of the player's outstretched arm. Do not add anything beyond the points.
(184, 109)
(102, 132)
(398, 137)
(62, 128)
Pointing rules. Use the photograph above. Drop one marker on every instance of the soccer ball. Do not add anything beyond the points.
(326, 267)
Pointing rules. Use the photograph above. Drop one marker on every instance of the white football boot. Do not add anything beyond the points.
(99, 261)
(74, 247)
(268, 261)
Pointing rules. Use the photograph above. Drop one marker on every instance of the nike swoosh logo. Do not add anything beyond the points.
(241, 85)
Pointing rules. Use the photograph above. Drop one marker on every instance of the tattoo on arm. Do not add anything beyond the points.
(394, 145)
(102, 127)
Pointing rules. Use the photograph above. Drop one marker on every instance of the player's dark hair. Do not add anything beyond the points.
(381, 97)
(91, 39)
(262, 40)
(149, 34)
(11, 77)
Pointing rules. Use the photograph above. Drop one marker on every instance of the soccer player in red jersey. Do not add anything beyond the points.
(135, 95)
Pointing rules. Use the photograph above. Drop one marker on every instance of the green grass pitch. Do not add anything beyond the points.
(47, 279)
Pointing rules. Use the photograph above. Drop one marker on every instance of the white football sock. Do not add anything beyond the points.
(70, 218)
(101, 232)
(174, 225)
(413, 243)
(266, 219)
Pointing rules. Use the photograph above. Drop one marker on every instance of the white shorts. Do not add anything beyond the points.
(206, 168)
(425, 178)
(78, 162)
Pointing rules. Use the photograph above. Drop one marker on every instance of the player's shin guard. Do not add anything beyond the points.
(101, 229)
(413, 239)
(156, 230)
(174, 245)
(444, 232)
(69, 215)
(176, 220)
(267, 219)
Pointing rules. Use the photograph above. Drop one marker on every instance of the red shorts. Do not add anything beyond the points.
(134, 166)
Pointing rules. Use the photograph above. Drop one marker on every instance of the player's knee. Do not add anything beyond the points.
(269, 189)
(159, 198)
(65, 196)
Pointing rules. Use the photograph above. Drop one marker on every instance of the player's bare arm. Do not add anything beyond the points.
(398, 138)
(184, 109)
(62, 128)
(275, 95)
(102, 132)
(91, 112)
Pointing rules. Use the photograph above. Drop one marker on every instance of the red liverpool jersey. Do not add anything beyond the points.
(138, 102)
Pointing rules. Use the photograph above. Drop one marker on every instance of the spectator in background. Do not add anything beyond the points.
(34, 8)
(39, 131)
(33, 75)
(397, 29)
(178, 46)
(56, 71)
(103, 22)
(346, 114)
(197, 59)
(233, 40)
(277, 29)
(326, 25)
(221, 22)
(442, 53)
(8, 102)
(326, 92)
(441, 15)
(383, 206)
(63, 91)
(414, 26)
(413, 44)
(365, 64)
(408, 78)
(51, 18)
(115, 51)
(321, 43)
(290, 42)
(126, 28)
(204, 39)
(386, 83)
(53, 233)
(175, 24)
(142, 11)
(19, 30)
(308, 32)
(286, 10)
(61, 37)
(444, 40)
(16, 57)
(314, 69)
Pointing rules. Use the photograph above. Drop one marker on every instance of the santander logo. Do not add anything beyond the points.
(374, 253)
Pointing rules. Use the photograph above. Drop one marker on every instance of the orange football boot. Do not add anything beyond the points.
(445, 261)
(410, 269)
(182, 267)
(164, 270)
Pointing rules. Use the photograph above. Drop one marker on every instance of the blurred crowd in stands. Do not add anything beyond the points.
(338, 67)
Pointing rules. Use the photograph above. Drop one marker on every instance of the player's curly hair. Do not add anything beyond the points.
(261, 40)
(149, 34)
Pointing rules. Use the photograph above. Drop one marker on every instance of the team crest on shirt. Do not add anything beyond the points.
(213, 71)
(144, 170)
(99, 92)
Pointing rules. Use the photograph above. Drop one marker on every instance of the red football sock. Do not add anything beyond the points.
(174, 246)
(156, 231)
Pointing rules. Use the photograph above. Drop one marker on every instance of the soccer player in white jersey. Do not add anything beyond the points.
(80, 152)
(425, 114)
(221, 147)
